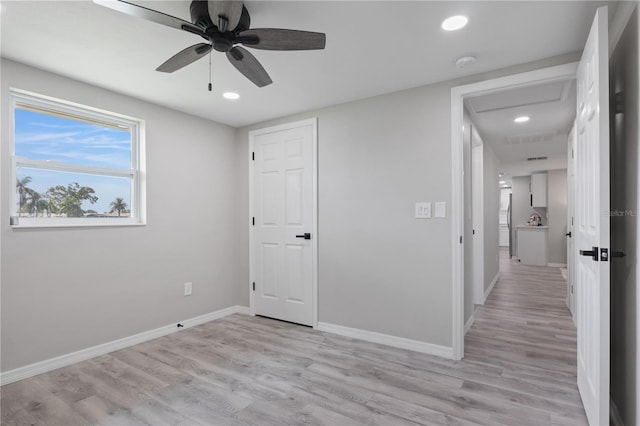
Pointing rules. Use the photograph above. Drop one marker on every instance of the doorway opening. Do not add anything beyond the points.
(481, 96)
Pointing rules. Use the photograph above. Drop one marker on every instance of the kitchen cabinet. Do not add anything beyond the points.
(538, 190)
(532, 244)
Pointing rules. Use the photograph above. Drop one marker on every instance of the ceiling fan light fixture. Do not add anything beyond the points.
(521, 119)
(231, 95)
(454, 23)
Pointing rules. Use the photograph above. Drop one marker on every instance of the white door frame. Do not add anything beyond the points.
(313, 122)
(477, 197)
(560, 72)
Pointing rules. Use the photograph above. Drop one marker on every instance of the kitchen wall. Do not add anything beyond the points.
(65, 290)
(625, 138)
(554, 216)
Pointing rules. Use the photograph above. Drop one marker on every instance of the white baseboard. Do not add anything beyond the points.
(469, 323)
(614, 414)
(556, 265)
(386, 339)
(488, 291)
(94, 351)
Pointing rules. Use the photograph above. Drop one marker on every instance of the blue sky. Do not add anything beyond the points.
(46, 137)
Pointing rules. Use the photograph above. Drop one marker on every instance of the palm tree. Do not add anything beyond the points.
(23, 192)
(36, 204)
(118, 206)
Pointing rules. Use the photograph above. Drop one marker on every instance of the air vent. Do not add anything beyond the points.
(536, 158)
(529, 139)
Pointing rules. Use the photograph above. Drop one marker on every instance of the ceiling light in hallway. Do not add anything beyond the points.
(454, 23)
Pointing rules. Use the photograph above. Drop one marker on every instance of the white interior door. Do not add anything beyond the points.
(283, 222)
(592, 222)
(571, 247)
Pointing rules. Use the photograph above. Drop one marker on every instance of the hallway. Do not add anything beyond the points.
(526, 329)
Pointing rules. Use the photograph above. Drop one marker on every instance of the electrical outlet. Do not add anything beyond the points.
(187, 289)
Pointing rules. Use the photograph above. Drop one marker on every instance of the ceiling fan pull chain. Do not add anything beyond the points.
(210, 85)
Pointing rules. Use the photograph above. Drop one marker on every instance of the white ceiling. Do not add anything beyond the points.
(373, 47)
(551, 107)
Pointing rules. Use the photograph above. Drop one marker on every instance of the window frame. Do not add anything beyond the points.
(21, 98)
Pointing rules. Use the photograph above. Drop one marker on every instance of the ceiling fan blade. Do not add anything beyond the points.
(150, 15)
(249, 66)
(279, 39)
(229, 10)
(185, 57)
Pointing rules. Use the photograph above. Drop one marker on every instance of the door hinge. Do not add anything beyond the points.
(254, 286)
(473, 232)
(460, 239)
(253, 156)
(253, 221)
(619, 102)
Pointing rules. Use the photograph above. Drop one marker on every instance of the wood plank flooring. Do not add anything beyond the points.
(519, 370)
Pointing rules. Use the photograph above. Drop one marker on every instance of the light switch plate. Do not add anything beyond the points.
(423, 210)
(441, 209)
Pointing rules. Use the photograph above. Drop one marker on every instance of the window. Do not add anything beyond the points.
(74, 165)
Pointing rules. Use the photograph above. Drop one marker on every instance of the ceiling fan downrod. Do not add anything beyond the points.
(210, 85)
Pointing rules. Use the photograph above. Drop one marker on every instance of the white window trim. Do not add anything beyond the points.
(137, 174)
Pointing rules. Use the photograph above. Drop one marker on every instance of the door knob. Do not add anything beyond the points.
(593, 253)
(568, 234)
(306, 236)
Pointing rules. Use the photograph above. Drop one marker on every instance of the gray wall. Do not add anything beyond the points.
(624, 78)
(557, 210)
(380, 269)
(491, 212)
(68, 289)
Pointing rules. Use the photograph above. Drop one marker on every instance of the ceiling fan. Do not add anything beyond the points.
(225, 25)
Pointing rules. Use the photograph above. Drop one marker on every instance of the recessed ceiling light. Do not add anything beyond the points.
(454, 23)
(230, 95)
(521, 119)
(502, 181)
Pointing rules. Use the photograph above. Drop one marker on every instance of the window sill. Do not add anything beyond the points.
(50, 225)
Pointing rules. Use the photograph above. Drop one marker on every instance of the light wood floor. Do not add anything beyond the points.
(519, 370)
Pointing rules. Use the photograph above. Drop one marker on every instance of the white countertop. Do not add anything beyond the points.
(531, 227)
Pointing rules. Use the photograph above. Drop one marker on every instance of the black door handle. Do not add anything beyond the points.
(568, 234)
(306, 236)
(593, 253)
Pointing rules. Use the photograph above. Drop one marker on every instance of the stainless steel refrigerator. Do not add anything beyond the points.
(509, 224)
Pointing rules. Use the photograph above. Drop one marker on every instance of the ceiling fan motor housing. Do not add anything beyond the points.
(222, 39)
